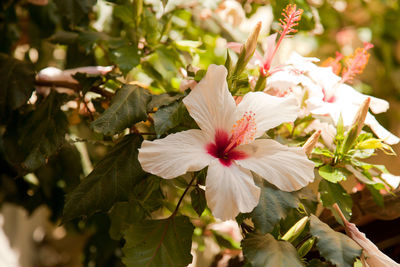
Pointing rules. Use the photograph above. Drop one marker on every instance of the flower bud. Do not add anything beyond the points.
(306, 247)
(311, 142)
(251, 43)
(361, 115)
(295, 230)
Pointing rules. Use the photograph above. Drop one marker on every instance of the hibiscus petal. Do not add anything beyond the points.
(175, 154)
(286, 167)
(380, 131)
(210, 103)
(230, 190)
(270, 111)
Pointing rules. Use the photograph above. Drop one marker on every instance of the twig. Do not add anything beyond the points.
(184, 193)
(74, 86)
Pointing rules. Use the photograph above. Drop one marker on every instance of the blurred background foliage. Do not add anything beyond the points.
(157, 45)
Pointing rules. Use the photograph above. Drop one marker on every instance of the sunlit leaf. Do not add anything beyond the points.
(332, 193)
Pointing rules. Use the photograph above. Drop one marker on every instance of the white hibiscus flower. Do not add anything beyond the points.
(327, 95)
(226, 144)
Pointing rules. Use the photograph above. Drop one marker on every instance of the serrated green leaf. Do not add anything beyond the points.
(17, 79)
(265, 251)
(332, 174)
(332, 193)
(128, 107)
(157, 243)
(198, 198)
(158, 101)
(126, 57)
(169, 117)
(112, 180)
(335, 247)
(31, 140)
(273, 206)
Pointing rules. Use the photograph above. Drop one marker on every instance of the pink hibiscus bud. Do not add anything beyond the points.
(311, 142)
(251, 43)
(371, 254)
(359, 119)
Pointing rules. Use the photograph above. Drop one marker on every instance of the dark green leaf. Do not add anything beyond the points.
(198, 200)
(333, 174)
(128, 107)
(265, 251)
(158, 101)
(126, 58)
(169, 117)
(157, 243)
(273, 206)
(38, 135)
(376, 195)
(17, 79)
(335, 247)
(318, 263)
(112, 180)
(334, 193)
(75, 10)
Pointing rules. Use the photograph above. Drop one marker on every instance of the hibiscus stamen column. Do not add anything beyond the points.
(291, 17)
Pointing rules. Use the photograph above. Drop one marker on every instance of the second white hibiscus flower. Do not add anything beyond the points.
(226, 143)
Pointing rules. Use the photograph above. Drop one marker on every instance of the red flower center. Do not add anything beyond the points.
(220, 149)
(224, 146)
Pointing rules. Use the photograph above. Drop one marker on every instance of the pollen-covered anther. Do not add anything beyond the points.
(244, 130)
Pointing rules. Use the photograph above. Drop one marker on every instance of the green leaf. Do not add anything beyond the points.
(128, 107)
(112, 180)
(145, 198)
(265, 251)
(335, 247)
(125, 14)
(17, 79)
(158, 101)
(376, 195)
(75, 10)
(31, 140)
(273, 206)
(157, 243)
(171, 116)
(333, 174)
(198, 198)
(126, 57)
(332, 193)
(324, 152)
(318, 263)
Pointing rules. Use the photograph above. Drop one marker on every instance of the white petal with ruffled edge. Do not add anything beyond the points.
(270, 111)
(285, 167)
(380, 131)
(210, 103)
(175, 154)
(230, 190)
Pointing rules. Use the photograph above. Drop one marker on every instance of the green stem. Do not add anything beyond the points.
(261, 82)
